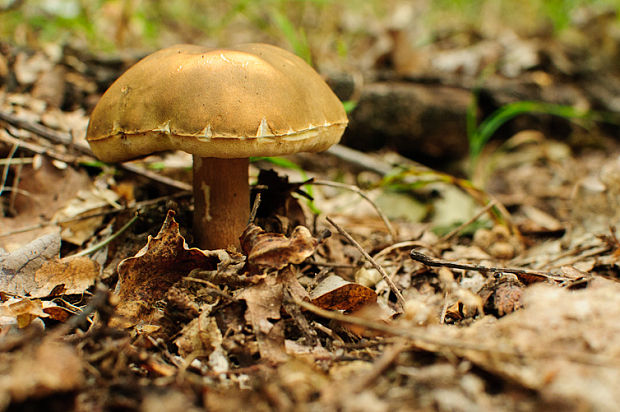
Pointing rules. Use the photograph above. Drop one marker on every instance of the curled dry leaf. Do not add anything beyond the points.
(145, 278)
(335, 293)
(276, 250)
(503, 295)
(21, 312)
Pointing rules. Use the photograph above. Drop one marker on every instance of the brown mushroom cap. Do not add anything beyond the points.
(250, 100)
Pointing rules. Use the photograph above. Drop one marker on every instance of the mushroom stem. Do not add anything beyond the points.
(221, 201)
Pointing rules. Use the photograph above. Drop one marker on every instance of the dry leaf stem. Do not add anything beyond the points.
(429, 261)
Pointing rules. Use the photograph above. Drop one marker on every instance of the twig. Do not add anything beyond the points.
(177, 184)
(211, 287)
(255, 206)
(99, 245)
(35, 148)
(17, 161)
(98, 301)
(482, 211)
(401, 245)
(428, 261)
(66, 140)
(386, 277)
(357, 190)
(5, 172)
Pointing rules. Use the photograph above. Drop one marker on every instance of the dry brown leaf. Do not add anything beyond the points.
(47, 368)
(145, 278)
(67, 276)
(566, 344)
(17, 269)
(20, 312)
(34, 270)
(276, 250)
(85, 202)
(201, 334)
(42, 192)
(335, 293)
(264, 302)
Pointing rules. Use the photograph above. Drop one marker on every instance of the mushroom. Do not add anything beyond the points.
(222, 106)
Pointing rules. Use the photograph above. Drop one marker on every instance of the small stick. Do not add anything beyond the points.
(35, 148)
(386, 277)
(395, 246)
(428, 261)
(359, 191)
(17, 161)
(5, 172)
(482, 211)
(255, 206)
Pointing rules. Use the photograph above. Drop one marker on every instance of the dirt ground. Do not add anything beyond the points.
(387, 274)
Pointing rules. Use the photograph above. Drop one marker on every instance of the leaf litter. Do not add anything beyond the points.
(489, 319)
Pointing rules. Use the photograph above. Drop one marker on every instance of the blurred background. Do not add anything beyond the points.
(325, 31)
(417, 77)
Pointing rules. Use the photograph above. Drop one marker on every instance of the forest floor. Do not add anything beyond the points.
(419, 291)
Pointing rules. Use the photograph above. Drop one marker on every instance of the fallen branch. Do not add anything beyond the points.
(428, 261)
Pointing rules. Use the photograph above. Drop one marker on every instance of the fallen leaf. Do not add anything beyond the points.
(42, 191)
(276, 250)
(17, 269)
(46, 368)
(85, 202)
(21, 311)
(372, 312)
(35, 271)
(67, 276)
(264, 302)
(201, 334)
(335, 293)
(145, 278)
(29, 68)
